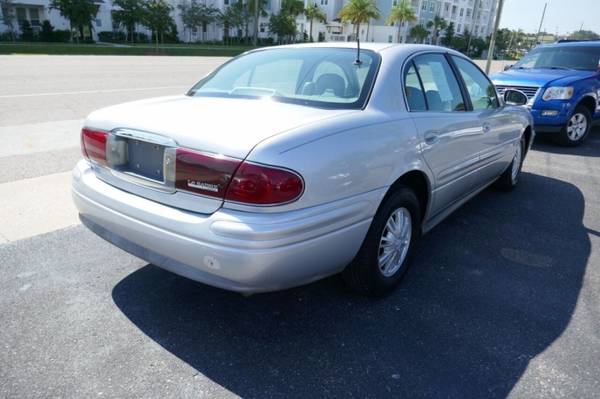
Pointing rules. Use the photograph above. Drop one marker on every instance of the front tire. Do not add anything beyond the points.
(510, 178)
(387, 250)
(577, 128)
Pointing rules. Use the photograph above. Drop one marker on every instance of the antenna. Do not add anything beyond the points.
(357, 61)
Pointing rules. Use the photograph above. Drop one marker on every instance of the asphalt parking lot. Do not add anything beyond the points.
(503, 298)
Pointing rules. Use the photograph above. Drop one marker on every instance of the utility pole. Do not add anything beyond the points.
(541, 22)
(255, 36)
(493, 38)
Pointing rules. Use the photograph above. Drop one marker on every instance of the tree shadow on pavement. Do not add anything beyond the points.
(491, 287)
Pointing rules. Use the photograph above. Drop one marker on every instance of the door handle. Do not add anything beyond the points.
(432, 137)
(486, 128)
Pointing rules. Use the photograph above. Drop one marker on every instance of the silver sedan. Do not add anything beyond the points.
(289, 164)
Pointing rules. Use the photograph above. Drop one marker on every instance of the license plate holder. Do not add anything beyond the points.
(145, 159)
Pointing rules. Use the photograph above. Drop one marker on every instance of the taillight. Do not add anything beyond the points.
(264, 185)
(203, 173)
(234, 180)
(93, 145)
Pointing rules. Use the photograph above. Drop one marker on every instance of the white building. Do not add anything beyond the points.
(475, 15)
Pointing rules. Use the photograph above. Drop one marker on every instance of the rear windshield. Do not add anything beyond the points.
(562, 57)
(320, 77)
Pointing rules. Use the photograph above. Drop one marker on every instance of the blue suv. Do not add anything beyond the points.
(562, 84)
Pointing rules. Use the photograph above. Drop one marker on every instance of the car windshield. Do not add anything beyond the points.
(321, 77)
(562, 57)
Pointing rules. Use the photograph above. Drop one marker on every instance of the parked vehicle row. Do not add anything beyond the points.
(289, 164)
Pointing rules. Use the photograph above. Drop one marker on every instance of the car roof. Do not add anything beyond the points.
(373, 46)
(580, 43)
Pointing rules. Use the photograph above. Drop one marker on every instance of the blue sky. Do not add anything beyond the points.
(562, 15)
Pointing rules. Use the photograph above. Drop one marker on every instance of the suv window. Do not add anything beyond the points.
(561, 57)
(440, 86)
(479, 87)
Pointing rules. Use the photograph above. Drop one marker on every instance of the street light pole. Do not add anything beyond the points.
(541, 22)
(473, 22)
(493, 38)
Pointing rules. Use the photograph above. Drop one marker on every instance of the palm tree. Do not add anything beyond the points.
(419, 33)
(314, 12)
(357, 12)
(402, 12)
(438, 23)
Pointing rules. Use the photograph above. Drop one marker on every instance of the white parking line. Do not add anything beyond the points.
(36, 206)
(67, 93)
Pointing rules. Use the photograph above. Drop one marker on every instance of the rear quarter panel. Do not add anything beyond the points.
(363, 153)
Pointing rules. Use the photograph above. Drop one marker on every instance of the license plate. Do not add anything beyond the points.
(145, 159)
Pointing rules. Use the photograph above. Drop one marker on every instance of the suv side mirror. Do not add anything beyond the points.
(515, 97)
(507, 67)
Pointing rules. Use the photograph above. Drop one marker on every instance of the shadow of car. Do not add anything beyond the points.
(493, 286)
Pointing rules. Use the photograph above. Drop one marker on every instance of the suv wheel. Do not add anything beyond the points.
(386, 252)
(577, 128)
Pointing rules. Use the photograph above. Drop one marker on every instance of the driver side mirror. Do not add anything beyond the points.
(515, 97)
(507, 67)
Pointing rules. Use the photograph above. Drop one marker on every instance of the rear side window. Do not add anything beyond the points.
(440, 86)
(412, 87)
(479, 87)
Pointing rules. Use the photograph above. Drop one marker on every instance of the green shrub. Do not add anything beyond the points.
(61, 35)
(47, 32)
(111, 37)
(27, 31)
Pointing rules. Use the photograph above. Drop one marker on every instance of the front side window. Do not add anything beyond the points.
(440, 86)
(481, 91)
(323, 77)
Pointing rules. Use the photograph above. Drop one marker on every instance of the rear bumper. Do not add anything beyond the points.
(238, 251)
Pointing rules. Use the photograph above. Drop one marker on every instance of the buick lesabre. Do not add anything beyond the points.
(289, 164)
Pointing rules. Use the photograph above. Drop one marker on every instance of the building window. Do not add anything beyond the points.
(226, 2)
(98, 22)
(462, 11)
(432, 6)
(424, 6)
(394, 3)
(389, 38)
(468, 12)
(21, 15)
(34, 17)
(459, 28)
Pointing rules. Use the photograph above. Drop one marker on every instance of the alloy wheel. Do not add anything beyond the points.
(395, 242)
(577, 127)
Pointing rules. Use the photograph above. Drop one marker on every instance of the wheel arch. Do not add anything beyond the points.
(419, 182)
(528, 134)
(589, 102)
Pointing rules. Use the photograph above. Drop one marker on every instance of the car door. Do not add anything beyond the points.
(451, 135)
(501, 131)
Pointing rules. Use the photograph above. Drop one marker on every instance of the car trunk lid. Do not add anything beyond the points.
(144, 138)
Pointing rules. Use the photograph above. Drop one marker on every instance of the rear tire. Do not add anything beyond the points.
(510, 178)
(387, 250)
(577, 128)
